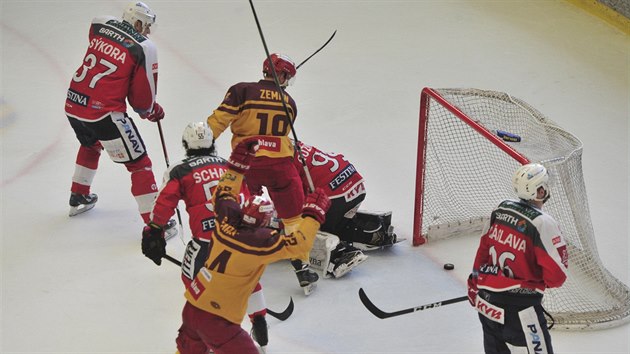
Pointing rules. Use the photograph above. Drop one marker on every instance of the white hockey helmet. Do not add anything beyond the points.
(528, 179)
(138, 11)
(197, 136)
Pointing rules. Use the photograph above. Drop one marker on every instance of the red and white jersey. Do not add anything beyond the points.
(119, 64)
(193, 180)
(330, 171)
(521, 248)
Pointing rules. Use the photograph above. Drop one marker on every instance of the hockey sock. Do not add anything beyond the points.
(85, 168)
(143, 186)
(256, 305)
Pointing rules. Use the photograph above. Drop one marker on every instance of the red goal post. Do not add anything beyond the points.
(470, 142)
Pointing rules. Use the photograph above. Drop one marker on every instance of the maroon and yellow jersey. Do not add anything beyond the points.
(256, 109)
(239, 255)
(120, 64)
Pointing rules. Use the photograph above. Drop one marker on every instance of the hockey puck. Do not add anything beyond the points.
(449, 266)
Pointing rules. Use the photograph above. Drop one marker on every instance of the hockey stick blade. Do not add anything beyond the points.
(317, 51)
(284, 314)
(382, 314)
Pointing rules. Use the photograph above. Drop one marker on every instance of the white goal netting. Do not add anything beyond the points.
(465, 168)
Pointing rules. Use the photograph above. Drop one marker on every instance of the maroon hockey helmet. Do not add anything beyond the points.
(257, 211)
(282, 64)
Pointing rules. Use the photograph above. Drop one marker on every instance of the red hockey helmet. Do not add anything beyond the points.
(257, 211)
(282, 64)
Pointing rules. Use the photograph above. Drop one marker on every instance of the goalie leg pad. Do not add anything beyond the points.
(371, 228)
(323, 246)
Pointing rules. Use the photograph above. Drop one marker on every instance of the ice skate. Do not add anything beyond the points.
(345, 260)
(307, 278)
(259, 331)
(80, 203)
(170, 229)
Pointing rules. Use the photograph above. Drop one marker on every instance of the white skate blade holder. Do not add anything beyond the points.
(80, 209)
(309, 288)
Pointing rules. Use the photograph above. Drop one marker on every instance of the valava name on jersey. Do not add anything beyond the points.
(78, 98)
(108, 49)
(510, 239)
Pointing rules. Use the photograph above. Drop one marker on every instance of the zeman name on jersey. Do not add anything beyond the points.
(342, 176)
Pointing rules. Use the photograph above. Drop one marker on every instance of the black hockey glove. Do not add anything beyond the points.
(153, 243)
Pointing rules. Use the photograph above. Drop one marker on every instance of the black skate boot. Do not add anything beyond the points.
(80, 203)
(344, 259)
(305, 275)
(259, 330)
(170, 229)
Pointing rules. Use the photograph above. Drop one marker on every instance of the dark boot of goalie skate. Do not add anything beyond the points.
(259, 330)
(344, 259)
(80, 203)
(170, 230)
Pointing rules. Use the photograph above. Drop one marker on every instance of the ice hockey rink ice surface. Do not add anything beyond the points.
(82, 285)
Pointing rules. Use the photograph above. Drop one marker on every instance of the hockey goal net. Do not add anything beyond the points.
(470, 143)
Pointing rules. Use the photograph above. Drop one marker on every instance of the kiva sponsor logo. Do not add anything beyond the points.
(490, 311)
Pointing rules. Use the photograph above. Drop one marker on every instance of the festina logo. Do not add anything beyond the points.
(78, 98)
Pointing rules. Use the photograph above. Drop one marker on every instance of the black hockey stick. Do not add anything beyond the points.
(179, 216)
(284, 104)
(173, 260)
(317, 51)
(279, 315)
(284, 314)
(382, 314)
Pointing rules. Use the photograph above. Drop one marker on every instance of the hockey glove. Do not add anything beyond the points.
(243, 154)
(472, 289)
(155, 115)
(153, 243)
(316, 205)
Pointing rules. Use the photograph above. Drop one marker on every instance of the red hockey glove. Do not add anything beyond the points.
(155, 115)
(243, 154)
(153, 243)
(472, 290)
(316, 205)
